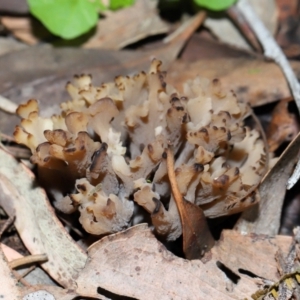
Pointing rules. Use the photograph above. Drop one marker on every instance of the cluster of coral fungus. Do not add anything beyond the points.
(105, 154)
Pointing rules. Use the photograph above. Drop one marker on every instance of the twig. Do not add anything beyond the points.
(30, 259)
(19, 277)
(272, 50)
(7, 105)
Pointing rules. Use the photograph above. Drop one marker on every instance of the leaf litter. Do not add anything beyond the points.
(224, 276)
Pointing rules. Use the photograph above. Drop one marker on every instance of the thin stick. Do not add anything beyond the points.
(7, 105)
(19, 277)
(30, 259)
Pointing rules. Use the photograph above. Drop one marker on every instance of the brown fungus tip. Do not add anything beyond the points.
(198, 167)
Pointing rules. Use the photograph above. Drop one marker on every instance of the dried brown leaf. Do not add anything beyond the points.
(197, 238)
(264, 217)
(25, 29)
(120, 29)
(253, 80)
(283, 126)
(253, 253)
(133, 263)
(36, 222)
(9, 287)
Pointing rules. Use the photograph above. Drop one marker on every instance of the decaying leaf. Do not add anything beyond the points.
(9, 285)
(45, 292)
(252, 79)
(264, 217)
(25, 29)
(237, 252)
(147, 268)
(121, 24)
(283, 126)
(197, 238)
(36, 276)
(36, 222)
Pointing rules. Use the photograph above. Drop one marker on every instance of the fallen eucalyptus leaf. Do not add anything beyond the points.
(120, 29)
(283, 126)
(264, 217)
(253, 80)
(45, 292)
(134, 263)
(9, 285)
(197, 238)
(237, 252)
(36, 222)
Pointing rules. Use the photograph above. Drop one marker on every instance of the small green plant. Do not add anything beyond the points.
(72, 18)
(215, 4)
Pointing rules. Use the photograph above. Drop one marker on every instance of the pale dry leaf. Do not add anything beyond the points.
(225, 30)
(36, 222)
(264, 217)
(9, 285)
(45, 292)
(25, 28)
(120, 29)
(134, 263)
(283, 126)
(237, 252)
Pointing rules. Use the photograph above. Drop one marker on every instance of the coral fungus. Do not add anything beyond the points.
(106, 151)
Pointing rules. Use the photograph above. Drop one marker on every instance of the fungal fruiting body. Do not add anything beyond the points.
(109, 143)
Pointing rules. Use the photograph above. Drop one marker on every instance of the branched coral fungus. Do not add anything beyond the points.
(106, 151)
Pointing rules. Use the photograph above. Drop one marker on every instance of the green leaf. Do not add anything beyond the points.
(116, 4)
(65, 18)
(99, 5)
(215, 4)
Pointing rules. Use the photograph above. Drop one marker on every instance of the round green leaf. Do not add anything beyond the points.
(117, 4)
(215, 4)
(65, 18)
